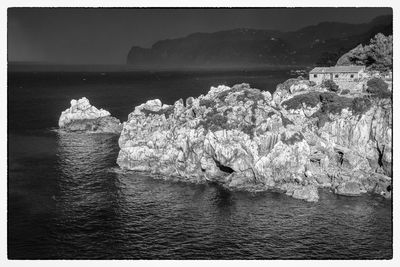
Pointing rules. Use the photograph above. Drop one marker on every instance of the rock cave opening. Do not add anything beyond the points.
(340, 155)
(380, 155)
(223, 168)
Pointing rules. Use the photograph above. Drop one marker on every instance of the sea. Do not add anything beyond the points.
(68, 199)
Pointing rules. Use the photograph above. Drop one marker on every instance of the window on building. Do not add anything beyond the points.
(336, 75)
(352, 76)
(315, 75)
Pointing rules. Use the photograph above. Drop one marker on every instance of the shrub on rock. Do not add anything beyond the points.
(310, 99)
(330, 103)
(208, 103)
(251, 94)
(378, 88)
(345, 92)
(360, 105)
(330, 85)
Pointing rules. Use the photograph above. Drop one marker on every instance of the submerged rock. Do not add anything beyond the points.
(294, 141)
(83, 117)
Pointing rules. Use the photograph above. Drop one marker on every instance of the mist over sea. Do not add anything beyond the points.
(67, 198)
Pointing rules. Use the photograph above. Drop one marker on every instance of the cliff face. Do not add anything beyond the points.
(369, 135)
(83, 117)
(244, 138)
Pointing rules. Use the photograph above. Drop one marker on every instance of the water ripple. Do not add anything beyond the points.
(92, 209)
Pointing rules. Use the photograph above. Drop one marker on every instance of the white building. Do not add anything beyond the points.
(338, 74)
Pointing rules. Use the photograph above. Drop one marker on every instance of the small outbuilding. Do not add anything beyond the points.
(337, 73)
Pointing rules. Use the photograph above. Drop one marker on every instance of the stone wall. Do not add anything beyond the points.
(350, 85)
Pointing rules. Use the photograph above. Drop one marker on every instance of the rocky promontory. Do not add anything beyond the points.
(83, 117)
(295, 141)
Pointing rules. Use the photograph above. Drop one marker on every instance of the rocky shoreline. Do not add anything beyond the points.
(244, 138)
(295, 141)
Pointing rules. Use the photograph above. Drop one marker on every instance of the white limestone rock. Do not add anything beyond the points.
(237, 137)
(83, 117)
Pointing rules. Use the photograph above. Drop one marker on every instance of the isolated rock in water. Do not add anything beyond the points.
(296, 141)
(83, 117)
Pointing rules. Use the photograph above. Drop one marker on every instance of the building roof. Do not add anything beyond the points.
(337, 69)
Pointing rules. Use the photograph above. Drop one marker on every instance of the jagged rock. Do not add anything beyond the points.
(308, 193)
(323, 180)
(302, 85)
(291, 86)
(349, 189)
(378, 184)
(83, 117)
(244, 138)
(366, 137)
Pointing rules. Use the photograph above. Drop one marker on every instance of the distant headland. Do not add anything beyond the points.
(321, 44)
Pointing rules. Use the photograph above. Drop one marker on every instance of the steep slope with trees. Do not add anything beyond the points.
(320, 44)
(377, 55)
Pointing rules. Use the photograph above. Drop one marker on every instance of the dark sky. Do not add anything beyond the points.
(104, 36)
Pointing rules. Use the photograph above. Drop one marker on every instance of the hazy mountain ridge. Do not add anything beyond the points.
(323, 43)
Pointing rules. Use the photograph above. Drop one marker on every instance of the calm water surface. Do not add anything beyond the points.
(68, 199)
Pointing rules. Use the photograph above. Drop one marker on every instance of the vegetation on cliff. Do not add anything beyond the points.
(310, 99)
(216, 120)
(378, 88)
(330, 103)
(330, 85)
(377, 55)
